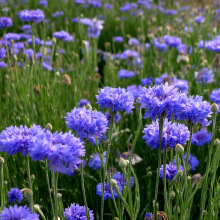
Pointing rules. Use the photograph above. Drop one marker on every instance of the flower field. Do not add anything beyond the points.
(109, 109)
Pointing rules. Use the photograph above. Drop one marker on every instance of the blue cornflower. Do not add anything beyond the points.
(118, 39)
(87, 123)
(31, 15)
(117, 117)
(196, 111)
(77, 212)
(204, 76)
(61, 35)
(15, 194)
(5, 22)
(133, 42)
(160, 44)
(213, 45)
(18, 213)
(83, 102)
(171, 171)
(47, 66)
(43, 3)
(173, 134)
(215, 95)
(11, 36)
(58, 14)
(199, 19)
(159, 80)
(107, 191)
(201, 138)
(2, 52)
(129, 54)
(172, 41)
(29, 53)
(18, 139)
(121, 180)
(125, 74)
(2, 64)
(162, 99)
(62, 150)
(134, 90)
(192, 161)
(147, 81)
(148, 216)
(95, 161)
(180, 84)
(115, 99)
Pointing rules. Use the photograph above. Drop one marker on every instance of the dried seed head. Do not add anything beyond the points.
(66, 80)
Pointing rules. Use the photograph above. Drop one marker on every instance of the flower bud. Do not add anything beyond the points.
(49, 127)
(57, 74)
(217, 142)
(179, 149)
(59, 195)
(172, 195)
(58, 218)
(5, 183)
(113, 182)
(54, 40)
(28, 194)
(37, 207)
(32, 177)
(179, 173)
(88, 106)
(214, 108)
(195, 179)
(2, 160)
(123, 163)
(149, 173)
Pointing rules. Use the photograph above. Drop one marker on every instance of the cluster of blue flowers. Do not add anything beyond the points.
(32, 15)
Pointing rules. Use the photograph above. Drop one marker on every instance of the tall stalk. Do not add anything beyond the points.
(161, 123)
(55, 195)
(29, 180)
(164, 180)
(2, 182)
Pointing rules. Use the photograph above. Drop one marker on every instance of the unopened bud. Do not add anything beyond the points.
(28, 194)
(49, 127)
(32, 177)
(217, 142)
(57, 218)
(179, 149)
(123, 163)
(113, 182)
(88, 106)
(189, 177)
(214, 108)
(172, 195)
(5, 183)
(204, 212)
(2, 160)
(179, 173)
(37, 207)
(149, 173)
(59, 195)
(54, 40)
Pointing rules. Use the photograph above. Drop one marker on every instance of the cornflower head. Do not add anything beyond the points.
(147, 81)
(5, 22)
(122, 180)
(171, 171)
(160, 44)
(95, 161)
(135, 90)
(196, 111)
(77, 212)
(125, 74)
(115, 99)
(213, 45)
(201, 138)
(2, 64)
(35, 16)
(2, 52)
(19, 139)
(62, 150)
(83, 102)
(172, 41)
(87, 123)
(192, 161)
(204, 76)
(15, 194)
(18, 213)
(62, 35)
(162, 100)
(173, 134)
(215, 95)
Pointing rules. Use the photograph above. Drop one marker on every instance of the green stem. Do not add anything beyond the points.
(189, 146)
(84, 191)
(161, 122)
(48, 185)
(164, 180)
(29, 181)
(55, 195)
(2, 187)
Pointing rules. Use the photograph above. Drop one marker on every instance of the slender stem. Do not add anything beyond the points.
(55, 195)
(161, 122)
(29, 181)
(8, 55)
(205, 185)
(164, 180)
(189, 146)
(2, 187)
(48, 185)
(84, 191)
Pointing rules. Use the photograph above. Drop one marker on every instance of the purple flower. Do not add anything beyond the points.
(19, 139)
(147, 81)
(11, 36)
(95, 161)
(125, 74)
(117, 117)
(172, 41)
(160, 44)
(204, 76)
(31, 15)
(2, 64)
(83, 102)
(5, 22)
(43, 3)
(77, 212)
(159, 80)
(18, 213)
(133, 42)
(162, 99)
(115, 99)
(108, 6)
(62, 150)
(61, 35)
(58, 14)
(173, 134)
(87, 123)
(196, 111)
(215, 95)
(213, 45)
(121, 180)
(180, 84)
(201, 138)
(15, 194)
(171, 171)
(199, 19)
(118, 39)
(148, 216)
(2, 52)
(134, 90)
